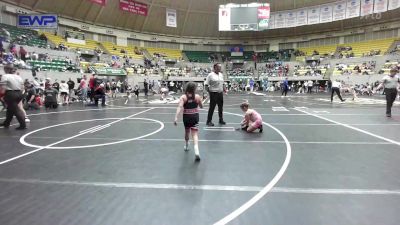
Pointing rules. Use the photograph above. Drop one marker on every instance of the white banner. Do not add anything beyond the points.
(301, 17)
(380, 6)
(313, 15)
(279, 20)
(339, 11)
(367, 7)
(271, 21)
(224, 19)
(290, 19)
(352, 8)
(171, 18)
(394, 4)
(325, 14)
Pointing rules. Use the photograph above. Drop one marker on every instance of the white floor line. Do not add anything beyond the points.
(66, 139)
(206, 187)
(223, 140)
(351, 127)
(98, 109)
(267, 188)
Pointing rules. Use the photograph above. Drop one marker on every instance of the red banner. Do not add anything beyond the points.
(133, 7)
(263, 12)
(100, 2)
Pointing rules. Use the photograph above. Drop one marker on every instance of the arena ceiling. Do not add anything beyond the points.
(196, 18)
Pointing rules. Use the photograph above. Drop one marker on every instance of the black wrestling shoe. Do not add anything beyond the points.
(388, 115)
(261, 129)
(197, 158)
(2, 125)
(210, 124)
(221, 122)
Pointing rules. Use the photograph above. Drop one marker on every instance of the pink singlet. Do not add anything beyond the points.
(255, 118)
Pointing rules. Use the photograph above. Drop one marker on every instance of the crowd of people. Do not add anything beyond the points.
(365, 68)
(274, 69)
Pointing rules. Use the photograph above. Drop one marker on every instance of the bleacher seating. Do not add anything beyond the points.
(387, 66)
(166, 52)
(365, 68)
(322, 49)
(310, 71)
(114, 49)
(363, 48)
(274, 69)
(31, 37)
(56, 64)
(90, 44)
(198, 56)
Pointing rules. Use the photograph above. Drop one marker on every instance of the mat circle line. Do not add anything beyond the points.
(23, 141)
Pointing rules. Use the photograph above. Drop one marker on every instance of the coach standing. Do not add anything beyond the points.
(390, 82)
(14, 86)
(214, 84)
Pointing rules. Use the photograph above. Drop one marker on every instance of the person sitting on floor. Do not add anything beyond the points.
(252, 119)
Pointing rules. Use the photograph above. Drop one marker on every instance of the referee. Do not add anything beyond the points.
(14, 86)
(390, 83)
(214, 84)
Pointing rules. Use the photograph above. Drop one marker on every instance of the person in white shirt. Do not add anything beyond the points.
(310, 84)
(13, 85)
(64, 92)
(391, 84)
(336, 85)
(214, 84)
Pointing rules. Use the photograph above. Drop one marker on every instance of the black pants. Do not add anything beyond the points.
(96, 100)
(391, 94)
(50, 105)
(284, 91)
(12, 98)
(337, 90)
(309, 90)
(216, 98)
(91, 94)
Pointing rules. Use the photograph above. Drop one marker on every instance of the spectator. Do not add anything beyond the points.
(71, 86)
(50, 99)
(64, 90)
(22, 53)
(83, 87)
(100, 93)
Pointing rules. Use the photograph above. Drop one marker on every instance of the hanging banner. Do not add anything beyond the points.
(171, 18)
(367, 7)
(279, 20)
(100, 2)
(380, 6)
(325, 13)
(394, 4)
(352, 8)
(339, 11)
(290, 19)
(263, 14)
(224, 19)
(301, 17)
(133, 7)
(313, 15)
(271, 24)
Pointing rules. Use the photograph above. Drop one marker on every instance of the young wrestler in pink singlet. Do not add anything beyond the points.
(252, 119)
(189, 104)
